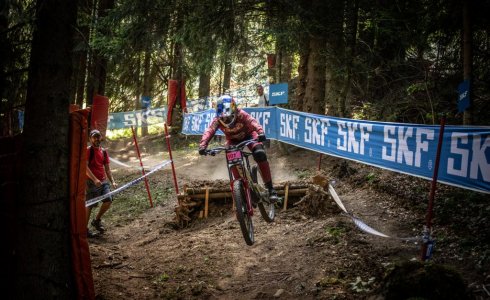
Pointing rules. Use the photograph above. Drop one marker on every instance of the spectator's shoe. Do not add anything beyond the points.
(91, 234)
(98, 225)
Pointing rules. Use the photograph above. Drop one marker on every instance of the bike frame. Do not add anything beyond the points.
(240, 174)
(238, 164)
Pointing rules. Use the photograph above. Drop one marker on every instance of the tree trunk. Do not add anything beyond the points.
(314, 100)
(335, 64)
(4, 60)
(304, 54)
(204, 84)
(229, 37)
(277, 71)
(283, 63)
(352, 17)
(227, 76)
(89, 93)
(467, 57)
(139, 90)
(286, 66)
(99, 62)
(146, 84)
(44, 267)
(177, 69)
(80, 57)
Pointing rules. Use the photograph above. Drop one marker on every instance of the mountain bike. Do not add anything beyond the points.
(247, 187)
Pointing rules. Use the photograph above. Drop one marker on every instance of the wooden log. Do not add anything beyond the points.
(198, 190)
(213, 190)
(203, 195)
(221, 195)
(190, 204)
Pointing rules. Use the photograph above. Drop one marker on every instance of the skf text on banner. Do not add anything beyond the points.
(404, 148)
(137, 118)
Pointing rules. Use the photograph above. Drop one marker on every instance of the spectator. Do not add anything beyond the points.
(98, 171)
(263, 101)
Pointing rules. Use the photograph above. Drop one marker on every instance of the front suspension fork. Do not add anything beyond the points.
(248, 195)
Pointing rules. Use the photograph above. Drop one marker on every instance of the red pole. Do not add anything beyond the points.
(428, 225)
(141, 164)
(167, 137)
(320, 161)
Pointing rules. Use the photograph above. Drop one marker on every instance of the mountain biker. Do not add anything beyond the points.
(238, 126)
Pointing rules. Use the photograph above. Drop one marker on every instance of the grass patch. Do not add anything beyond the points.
(133, 201)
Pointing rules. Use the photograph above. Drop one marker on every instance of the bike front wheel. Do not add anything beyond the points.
(244, 219)
(267, 209)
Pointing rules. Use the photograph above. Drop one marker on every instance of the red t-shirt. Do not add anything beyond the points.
(98, 162)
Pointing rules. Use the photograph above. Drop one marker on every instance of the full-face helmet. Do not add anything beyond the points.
(226, 110)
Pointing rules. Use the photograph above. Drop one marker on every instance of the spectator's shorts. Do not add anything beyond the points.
(96, 191)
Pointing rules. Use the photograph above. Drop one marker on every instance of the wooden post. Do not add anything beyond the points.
(286, 194)
(206, 203)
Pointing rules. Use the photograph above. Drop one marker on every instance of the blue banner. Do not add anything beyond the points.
(463, 95)
(145, 102)
(404, 148)
(20, 115)
(137, 118)
(278, 93)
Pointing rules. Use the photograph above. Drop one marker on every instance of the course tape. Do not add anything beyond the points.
(359, 223)
(127, 185)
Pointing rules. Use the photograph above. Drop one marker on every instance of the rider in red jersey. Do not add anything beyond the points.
(238, 125)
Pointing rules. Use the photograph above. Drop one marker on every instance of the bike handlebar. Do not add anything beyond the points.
(240, 145)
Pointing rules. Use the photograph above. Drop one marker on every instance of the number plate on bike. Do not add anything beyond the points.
(233, 155)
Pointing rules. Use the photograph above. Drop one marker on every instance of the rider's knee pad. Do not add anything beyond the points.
(259, 154)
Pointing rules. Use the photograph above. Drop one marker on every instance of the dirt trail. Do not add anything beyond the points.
(297, 257)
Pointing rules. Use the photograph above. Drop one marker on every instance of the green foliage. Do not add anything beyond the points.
(116, 134)
(360, 286)
(335, 231)
(367, 111)
(371, 177)
(303, 174)
(164, 277)
(397, 61)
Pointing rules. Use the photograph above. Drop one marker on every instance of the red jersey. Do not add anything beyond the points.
(245, 126)
(98, 162)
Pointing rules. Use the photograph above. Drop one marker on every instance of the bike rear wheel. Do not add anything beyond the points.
(267, 209)
(244, 219)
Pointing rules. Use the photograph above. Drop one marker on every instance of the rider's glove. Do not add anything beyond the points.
(202, 151)
(262, 138)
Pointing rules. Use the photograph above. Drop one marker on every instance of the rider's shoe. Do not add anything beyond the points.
(254, 201)
(273, 198)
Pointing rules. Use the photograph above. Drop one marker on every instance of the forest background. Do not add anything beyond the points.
(396, 61)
